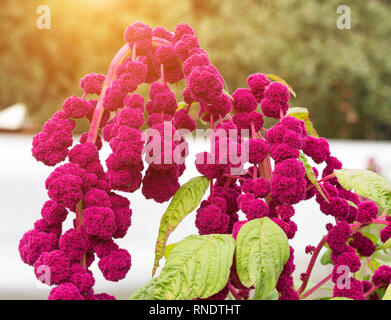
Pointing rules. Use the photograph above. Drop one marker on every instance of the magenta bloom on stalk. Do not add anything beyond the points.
(249, 187)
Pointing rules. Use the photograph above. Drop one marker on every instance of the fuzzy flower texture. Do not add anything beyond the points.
(272, 177)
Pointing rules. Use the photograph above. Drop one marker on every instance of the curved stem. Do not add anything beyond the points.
(234, 292)
(312, 263)
(162, 74)
(95, 123)
(372, 290)
(316, 287)
(322, 180)
(97, 117)
(357, 226)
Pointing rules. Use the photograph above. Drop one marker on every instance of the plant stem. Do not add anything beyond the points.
(211, 150)
(317, 286)
(234, 292)
(162, 74)
(253, 133)
(312, 263)
(265, 170)
(95, 123)
(97, 117)
(370, 264)
(188, 108)
(359, 225)
(322, 180)
(234, 177)
(372, 290)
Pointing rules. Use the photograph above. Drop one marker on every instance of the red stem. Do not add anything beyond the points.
(311, 264)
(371, 264)
(227, 182)
(317, 286)
(97, 117)
(134, 52)
(188, 107)
(359, 225)
(253, 133)
(372, 290)
(211, 148)
(162, 74)
(322, 180)
(234, 177)
(220, 118)
(234, 292)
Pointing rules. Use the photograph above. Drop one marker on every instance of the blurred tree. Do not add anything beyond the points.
(342, 76)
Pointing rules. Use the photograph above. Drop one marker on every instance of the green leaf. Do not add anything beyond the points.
(146, 292)
(185, 200)
(341, 298)
(303, 114)
(181, 105)
(282, 81)
(326, 258)
(311, 175)
(273, 295)
(198, 267)
(352, 204)
(387, 295)
(168, 249)
(367, 184)
(262, 249)
(370, 236)
(386, 245)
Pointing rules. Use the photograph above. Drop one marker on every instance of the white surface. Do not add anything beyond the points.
(12, 118)
(22, 194)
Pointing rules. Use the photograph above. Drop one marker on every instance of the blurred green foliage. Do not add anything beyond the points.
(342, 76)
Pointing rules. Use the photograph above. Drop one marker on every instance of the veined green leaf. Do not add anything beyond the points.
(262, 249)
(311, 175)
(282, 81)
(146, 292)
(185, 200)
(367, 184)
(341, 298)
(387, 295)
(303, 114)
(168, 249)
(386, 245)
(197, 267)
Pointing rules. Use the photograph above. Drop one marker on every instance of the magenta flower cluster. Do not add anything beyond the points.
(258, 189)
(265, 192)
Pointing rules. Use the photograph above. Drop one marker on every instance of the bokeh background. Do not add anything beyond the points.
(342, 76)
(346, 73)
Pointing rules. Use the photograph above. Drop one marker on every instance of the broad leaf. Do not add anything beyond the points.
(367, 184)
(341, 298)
(282, 81)
(303, 114)
(146, 292)
(386, 245)
(185, 200)
(181, 105)
(311, 175)
(262, 249)
(168, 249)
(197, 267)
(326, 258)
(387, 295)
